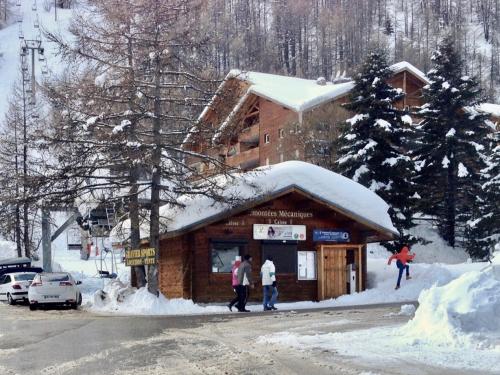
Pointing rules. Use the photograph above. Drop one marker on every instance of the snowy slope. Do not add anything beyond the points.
(7, 249)
(10, 43)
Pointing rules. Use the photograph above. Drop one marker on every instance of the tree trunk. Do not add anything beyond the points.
(154, 226)
(450, 203)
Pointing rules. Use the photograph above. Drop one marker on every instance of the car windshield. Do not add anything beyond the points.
(25, 276)
(52, 278)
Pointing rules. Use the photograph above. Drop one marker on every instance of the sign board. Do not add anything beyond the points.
(140, 257)
(279, 232)
(331, 235)
(306, 264)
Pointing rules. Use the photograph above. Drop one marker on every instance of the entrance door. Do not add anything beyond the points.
(332, 275)
(332, 269)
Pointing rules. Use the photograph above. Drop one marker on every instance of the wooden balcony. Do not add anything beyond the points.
(250, 135)
(245, 158)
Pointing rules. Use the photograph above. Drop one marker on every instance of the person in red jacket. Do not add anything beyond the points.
(234, 281)
(402, 259)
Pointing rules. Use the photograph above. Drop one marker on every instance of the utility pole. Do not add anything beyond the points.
(27, 46)
(55, 10)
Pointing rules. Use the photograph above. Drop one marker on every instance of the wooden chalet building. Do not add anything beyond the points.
(253, 115)
(314, 222)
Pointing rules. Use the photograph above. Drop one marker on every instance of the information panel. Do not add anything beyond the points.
(331, 235)
(306, 264)
(140, 257)
(279, 232)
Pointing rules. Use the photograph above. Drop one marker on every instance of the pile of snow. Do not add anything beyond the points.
(7, 249)
(455, 326)
(120, 299)
(407, 310)
(464, 312)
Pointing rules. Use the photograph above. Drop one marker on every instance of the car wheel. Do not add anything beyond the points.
(74, 306)
(32, 307)
(10, 300)
(79, 299)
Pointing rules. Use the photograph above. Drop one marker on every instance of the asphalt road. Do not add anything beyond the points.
(77, 342)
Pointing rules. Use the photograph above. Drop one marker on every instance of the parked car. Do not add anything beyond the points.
(55, 288)
(14, 286)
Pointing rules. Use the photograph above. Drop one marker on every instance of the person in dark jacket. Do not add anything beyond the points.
(244, 282)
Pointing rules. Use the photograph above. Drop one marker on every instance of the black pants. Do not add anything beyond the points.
(241, 290)
(235, 299)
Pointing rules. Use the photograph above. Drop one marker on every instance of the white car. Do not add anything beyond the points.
(57, 288)
(14, 286)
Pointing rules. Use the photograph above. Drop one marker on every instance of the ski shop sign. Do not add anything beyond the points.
(140, 257)
(333, 235)
(279, 232)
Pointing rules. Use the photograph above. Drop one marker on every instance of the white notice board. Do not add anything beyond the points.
(306, 264)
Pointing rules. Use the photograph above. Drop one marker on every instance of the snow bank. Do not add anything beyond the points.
(120, 299)
(464, 312)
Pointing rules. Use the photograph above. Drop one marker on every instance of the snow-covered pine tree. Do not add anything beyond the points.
(483, 230)
(452, 140)
(374, 142)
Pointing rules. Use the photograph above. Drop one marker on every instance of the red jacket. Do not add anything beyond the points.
(404, 256)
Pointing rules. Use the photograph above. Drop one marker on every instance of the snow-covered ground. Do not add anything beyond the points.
(455, 326)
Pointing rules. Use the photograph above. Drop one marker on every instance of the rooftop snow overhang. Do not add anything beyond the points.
(383, 233)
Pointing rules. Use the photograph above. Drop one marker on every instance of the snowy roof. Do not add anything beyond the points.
(295, 93)
(405, 65)
(256, 187)
(490, 108)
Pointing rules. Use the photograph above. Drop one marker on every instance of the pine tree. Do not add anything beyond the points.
(449, 152)
(373, 143)
(483, 230)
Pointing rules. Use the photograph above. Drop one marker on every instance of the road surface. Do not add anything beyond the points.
(77, 342)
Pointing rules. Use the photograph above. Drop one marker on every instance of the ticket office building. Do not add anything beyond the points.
(319, 251)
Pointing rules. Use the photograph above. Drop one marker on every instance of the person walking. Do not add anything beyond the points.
(268, 275)
(402, 258)
(234, 282)
(244, 282)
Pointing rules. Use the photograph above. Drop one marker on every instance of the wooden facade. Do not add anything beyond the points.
(186, 264)
(257, 130)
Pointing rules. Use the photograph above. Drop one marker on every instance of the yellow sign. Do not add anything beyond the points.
(140, 257)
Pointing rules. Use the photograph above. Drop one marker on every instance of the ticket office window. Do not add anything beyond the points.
(284, 256)
(223, 255)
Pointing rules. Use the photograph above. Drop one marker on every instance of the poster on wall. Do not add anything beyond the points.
(279, 232)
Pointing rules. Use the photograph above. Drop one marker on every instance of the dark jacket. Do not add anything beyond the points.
(245, 269)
